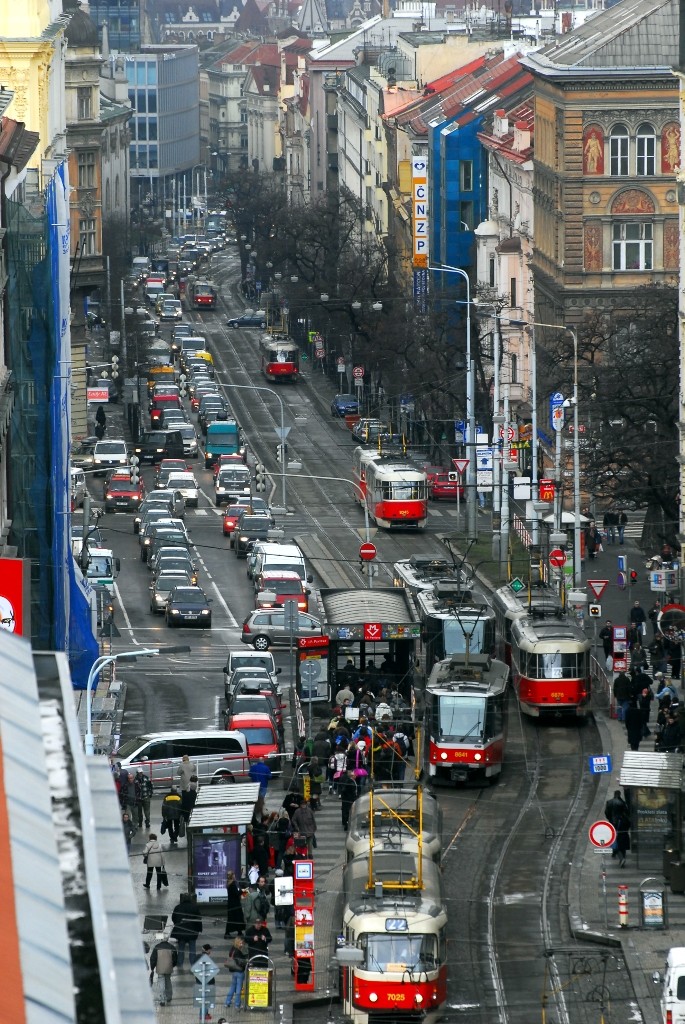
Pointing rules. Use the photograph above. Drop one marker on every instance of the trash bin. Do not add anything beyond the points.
(671, 854)
(677, 876)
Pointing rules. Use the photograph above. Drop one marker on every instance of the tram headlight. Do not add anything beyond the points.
(444, 755)
(373, 998)
(477, 757)
(418, 998)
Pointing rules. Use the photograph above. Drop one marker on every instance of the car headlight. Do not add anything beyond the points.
(209, 455)
(175, 611)
(205, 611)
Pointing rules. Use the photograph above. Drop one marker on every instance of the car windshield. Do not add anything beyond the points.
(256, 736)
(231, 476)
(100, 565)
(164, 563)
(181, 480)
(121, 487)
(111, 448)
(245, 661)
(284, 586)
(258, 524)
(166, 583)
(188, 596)
(130, 746)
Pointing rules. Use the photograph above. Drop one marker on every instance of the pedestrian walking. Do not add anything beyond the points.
(634, 724)
(670, 738)
(163, 959)
(638, 658)
(171, 813)
(623, 692)
(638, 616)
(235, 922)
(622, 844)
(622, 523)
(644, 702)
(665, 688)
(347, 790)
(261, 773)
(615, 807)
(316, 779)
(606, 635)
(188, 799)
(279, 834)
(154, 858)
(610, 524)
(127, 794)
(304, 822)
(186, 771)
(653, 615)
(129, 829)
(143, 793)
(258, 938)
(187, 924)
(236, 964)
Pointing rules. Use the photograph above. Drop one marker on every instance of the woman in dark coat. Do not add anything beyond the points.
(235, 922)
(634, 722)
(622, 844)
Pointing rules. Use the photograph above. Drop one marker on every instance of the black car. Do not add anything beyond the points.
(250, 528)
(155, 445)
(188, 606)
(248, 319)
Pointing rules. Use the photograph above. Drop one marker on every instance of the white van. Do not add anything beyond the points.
(673, 992)
(141, 266)
(78, 487)
(267, 556)
(217, 756)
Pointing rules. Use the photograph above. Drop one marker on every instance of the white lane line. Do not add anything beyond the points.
(125, 613)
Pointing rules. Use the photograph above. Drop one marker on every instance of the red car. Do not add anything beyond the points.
(445, 485)
(121, 495)
(285, 585)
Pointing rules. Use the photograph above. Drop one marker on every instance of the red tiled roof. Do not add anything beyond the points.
(17, 145)
(485, 77)
(524, 115)
(266, 75)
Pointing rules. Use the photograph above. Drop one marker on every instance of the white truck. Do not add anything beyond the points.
(103, 567)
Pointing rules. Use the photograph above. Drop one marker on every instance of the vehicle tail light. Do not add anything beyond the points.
(246, 628)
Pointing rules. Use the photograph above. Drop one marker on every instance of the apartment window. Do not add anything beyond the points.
(618, 150)
(243, 141)
(466, 216)
(142, 129)
(645, 149)
(243, 117)
(86, 169)
(86, 230)
(632, 246)
(108, 197)
(512, 292)
(84, 103)
(491, 271)
(466, 175)
(514, 369)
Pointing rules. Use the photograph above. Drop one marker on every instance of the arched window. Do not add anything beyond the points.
(514, 368)
(645, 163)
(618, 150)
(108, 196)
(116, 192)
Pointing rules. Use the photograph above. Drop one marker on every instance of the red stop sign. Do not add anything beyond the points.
(557, 558)
(367, 552)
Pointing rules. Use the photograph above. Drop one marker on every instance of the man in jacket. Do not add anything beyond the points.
(143, 790)
(606, 635)
(347, 790)
(163, 959)
(304, 822)
(171, 813)
(258, 938)
(187, 926)
(623, 691)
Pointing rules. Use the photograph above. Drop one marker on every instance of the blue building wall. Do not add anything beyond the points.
(458, 190)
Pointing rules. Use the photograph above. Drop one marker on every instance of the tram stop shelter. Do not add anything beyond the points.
(380, 626)
(652, 784)
(215, 832)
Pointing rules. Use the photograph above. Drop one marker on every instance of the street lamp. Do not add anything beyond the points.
(97, 667)
(471, 519)
(270, 391)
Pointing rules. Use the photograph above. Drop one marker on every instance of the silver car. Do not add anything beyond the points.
(187, 485)
(162, 586)
(264, 628)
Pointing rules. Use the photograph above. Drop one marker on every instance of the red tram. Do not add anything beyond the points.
(280, 359)
(540, 602)
(465, 724)
(396, 493)
(550, 667)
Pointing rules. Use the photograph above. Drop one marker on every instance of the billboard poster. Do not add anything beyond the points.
(419, 187)
(212, 857)
(15, 596)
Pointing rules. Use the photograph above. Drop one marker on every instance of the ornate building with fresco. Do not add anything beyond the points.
(607, 149)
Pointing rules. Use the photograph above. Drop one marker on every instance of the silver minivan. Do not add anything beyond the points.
(266, 555)
(217, 756)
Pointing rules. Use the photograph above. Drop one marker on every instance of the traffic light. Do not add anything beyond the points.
(182, 380)
(633, 577)
(115, 367)
(281, 452)
(260, 477)
(135, 472)
(595, 611)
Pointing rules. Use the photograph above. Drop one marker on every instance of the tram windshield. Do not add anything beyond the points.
(404, 490)
(400, 952)
(455, 635)
(460, 718)
(553, 665)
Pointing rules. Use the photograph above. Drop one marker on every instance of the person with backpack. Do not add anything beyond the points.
(187, 924)
(257, 903)
(401, 749)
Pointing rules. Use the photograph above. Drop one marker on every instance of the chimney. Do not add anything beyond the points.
(500, 124)
(521, 136)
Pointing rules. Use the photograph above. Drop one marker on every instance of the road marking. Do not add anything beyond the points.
(201, 511)
(435, 512)
(126, 618)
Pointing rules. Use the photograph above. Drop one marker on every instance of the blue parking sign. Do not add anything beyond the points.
(600, 764)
